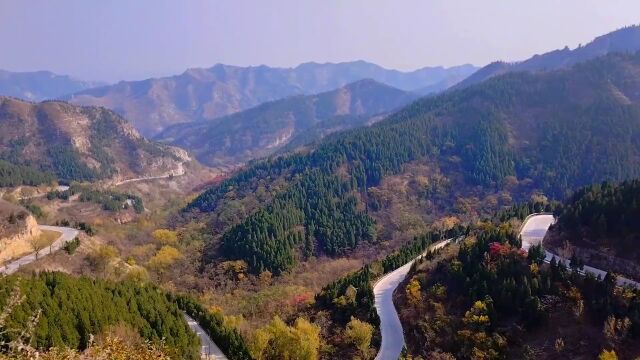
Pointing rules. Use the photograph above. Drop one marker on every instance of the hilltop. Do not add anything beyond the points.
(264, 129)
(208, 93)
(77, 143)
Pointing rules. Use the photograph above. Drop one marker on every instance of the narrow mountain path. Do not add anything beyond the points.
(533, 231)
(148, 178)
(390, 326)
(66, 234)
(208, 350)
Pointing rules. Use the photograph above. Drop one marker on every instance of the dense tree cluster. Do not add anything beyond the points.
(417, 247)
(67, 311)
(317, 214)
(110, 200)
(68, 165)
(606, 214)
(573, 131)
(227, 338)
(521, 211)
(351, 296)
(16, 175)
(493, 278)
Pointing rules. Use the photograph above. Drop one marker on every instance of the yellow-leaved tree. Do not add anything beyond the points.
(359, 334)
(165, 237)
(414, 292)
(277, 340)
(608, 355)
(164, 258)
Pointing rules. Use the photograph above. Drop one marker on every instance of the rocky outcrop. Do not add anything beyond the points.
(80, 143)
(17, 229)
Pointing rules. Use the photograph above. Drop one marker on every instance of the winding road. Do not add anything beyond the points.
(209, 350)
(533, 231)
(390, 326)
(66, 234)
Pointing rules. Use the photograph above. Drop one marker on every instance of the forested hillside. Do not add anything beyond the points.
(554, 132)
(38, 140)
(623, 40)
(598, 224)
(491, 300)
(63, 311)
(264, 129)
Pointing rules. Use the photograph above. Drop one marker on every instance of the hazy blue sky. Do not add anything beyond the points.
(132, 39)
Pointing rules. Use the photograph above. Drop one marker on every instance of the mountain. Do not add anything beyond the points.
(551, 132)
(623, 40)
(204, 94)
(40, 85)
(264, 129)
(78, 143)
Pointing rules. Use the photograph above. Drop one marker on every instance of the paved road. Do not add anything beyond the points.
(209, 349)
(390, 326)
(66, 234)
(180, 172)
(533, 232)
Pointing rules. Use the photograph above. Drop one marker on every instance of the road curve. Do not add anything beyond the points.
(66, 234)
(390, 326)
(533, 231)
(208, 350)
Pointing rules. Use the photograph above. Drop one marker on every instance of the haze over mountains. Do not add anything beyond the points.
(79, 143)
(204, 94)
(622, 40)
(40, 85)
(319, 181)
(264, 129)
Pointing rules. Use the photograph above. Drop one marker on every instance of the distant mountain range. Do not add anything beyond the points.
(78, 143)
(266, 128)
(622, 40)
(205, 94)
(40, 85)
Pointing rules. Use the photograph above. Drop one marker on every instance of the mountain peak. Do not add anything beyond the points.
(625, 40)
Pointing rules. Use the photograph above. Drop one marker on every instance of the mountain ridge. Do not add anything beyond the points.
(264, 129)
(626, 39)
(208, 93)
(79, 143)
(40, 85)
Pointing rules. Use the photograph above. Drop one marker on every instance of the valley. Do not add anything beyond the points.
(326, 211)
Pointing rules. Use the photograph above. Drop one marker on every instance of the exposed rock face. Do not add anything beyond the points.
(80, 143)
(17, 228)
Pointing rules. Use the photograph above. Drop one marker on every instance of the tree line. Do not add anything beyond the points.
(227, 338)
(65, 312)
(316, 214)
(605, 214)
